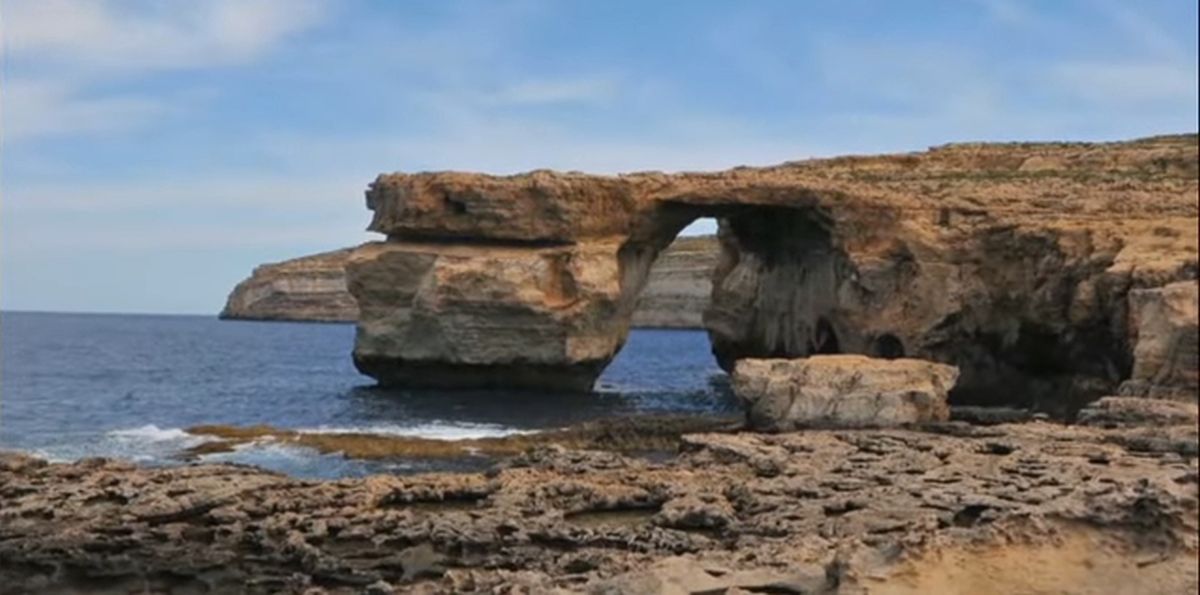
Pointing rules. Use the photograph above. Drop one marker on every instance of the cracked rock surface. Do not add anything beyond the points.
(1008, 508)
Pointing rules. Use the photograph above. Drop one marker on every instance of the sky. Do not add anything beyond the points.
(152, 153)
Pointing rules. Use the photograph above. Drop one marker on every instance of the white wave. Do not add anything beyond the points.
(436, 430)
(151, 433)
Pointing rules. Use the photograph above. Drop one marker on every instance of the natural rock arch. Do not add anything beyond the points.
(957, 254)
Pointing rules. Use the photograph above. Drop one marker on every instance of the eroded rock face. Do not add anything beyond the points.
(1163, 330)
(842, 391)
(1013, 262)
(440, 314)
(847, 511)
(1138, 411)
(679, 284)
(313, 288)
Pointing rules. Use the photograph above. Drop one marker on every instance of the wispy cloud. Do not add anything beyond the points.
(65, 53)
(120, 36)
(1125, 83)
(1142, 30)
(592, 90)
(1008, 12)
(41, 108)
(211, 191)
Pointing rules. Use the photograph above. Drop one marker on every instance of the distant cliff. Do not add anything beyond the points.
(313, 288)
(309, 288)
(679, 285)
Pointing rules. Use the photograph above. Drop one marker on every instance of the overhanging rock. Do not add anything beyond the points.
(1012, 262)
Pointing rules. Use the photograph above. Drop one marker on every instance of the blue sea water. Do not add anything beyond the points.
(76, 385)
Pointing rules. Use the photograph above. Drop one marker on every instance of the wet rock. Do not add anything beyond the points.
(1137, 411)
(989, 416)
(842, 391)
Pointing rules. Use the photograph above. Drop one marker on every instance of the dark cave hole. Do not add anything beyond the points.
(887, 346)
(824, 341)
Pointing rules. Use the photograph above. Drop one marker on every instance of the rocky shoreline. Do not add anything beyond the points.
(940, 507)
(858, 303)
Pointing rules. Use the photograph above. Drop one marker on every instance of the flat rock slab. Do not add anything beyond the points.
(842, 511)
(842, 391)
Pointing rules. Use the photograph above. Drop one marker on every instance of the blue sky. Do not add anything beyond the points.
(154, 152)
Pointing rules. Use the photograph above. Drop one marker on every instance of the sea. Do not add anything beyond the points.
(127, 386)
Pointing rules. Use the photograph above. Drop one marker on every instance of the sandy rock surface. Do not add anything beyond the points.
(842, 391)
(1036, 507)
(1163, 323)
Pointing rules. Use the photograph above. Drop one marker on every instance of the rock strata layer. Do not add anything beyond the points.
(313, 288)
(1033, 508)
(1017, 263)
(842, 391)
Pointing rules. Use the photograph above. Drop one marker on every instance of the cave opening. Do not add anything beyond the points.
(781, 286)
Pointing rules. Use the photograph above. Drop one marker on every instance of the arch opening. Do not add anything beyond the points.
(774, 283)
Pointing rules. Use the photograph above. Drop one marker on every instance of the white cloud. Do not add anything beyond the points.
(132, 237)
(67, 49)
(591, 90)
(1141, 29)
(212, 192)
(34, 109)
(123, 36)
(1125, 83)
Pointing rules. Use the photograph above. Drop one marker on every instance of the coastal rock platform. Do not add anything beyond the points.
(949, 507)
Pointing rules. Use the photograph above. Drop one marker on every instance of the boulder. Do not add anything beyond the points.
(842, 391)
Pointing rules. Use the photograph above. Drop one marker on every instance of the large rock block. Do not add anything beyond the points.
(445, 315)
(842, 391)
(1164, 332)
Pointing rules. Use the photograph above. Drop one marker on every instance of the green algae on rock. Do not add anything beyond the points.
(646, 433)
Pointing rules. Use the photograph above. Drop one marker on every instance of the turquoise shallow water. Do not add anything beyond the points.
(74, 385)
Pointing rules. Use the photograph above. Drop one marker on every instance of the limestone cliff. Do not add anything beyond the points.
(679, 284)
(313, 288)
(310, 288)
(1013, 262)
